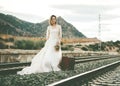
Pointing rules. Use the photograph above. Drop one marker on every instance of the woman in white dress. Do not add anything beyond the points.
(49, 57)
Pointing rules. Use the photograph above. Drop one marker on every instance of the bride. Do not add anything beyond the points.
(49, 57)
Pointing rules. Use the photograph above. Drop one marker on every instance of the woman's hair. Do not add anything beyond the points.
(51, 19)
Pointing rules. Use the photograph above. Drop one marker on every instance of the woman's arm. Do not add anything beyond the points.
(47, 33)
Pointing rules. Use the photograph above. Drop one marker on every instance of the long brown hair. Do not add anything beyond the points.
(51, 19)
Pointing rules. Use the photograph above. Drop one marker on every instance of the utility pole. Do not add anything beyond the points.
(99, 33)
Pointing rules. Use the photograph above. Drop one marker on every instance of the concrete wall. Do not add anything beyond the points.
(27, 55)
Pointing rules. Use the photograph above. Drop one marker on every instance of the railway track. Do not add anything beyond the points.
(94, 58)
(84, 79)
(12, 68)
(111, 78)
(90, 72)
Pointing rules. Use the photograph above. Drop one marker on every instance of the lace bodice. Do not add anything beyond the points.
(54, 33)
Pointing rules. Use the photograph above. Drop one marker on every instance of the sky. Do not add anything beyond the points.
(83, 14)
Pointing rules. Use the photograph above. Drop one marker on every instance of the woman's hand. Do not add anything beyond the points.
(57, 46)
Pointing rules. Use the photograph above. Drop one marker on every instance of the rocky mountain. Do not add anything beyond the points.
(17, 27)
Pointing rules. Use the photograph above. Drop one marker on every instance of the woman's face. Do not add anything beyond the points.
(53, 20)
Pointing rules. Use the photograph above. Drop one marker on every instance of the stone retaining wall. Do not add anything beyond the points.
(27, 55)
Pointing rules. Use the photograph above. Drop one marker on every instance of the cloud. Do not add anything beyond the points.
(24, 16)
(86, 13)
(82, 8)
(1, 7)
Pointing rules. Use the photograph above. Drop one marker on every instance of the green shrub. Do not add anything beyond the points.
(1, 39)
(78, 45)
(84, 48)
(3, 46)
(64, 48)
(39, 44)
(28, 44)
(67, 47)
(93, 47)
(11, 39)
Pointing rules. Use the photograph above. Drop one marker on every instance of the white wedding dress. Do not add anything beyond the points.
(48, 58)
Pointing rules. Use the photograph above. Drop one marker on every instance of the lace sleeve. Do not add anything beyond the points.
(47, 33)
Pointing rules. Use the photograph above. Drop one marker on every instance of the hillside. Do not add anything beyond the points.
(13, 26)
